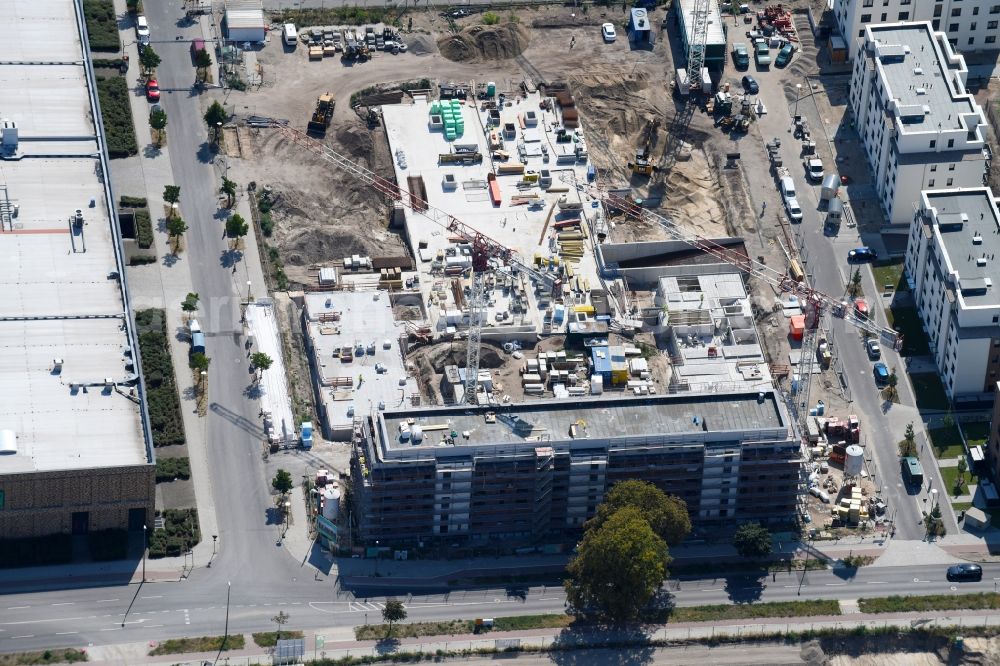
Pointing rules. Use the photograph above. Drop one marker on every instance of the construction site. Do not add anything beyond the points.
(500, 216)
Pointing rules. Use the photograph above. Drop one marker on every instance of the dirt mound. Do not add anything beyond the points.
(480, 43)
(319, 213)
(438, 356)
(421, 45)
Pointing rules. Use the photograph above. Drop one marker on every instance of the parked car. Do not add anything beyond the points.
(794, 209)
(874, 351)
(608, 32)
(814, 170)
(881, 373)
(152, 90)
(784, 55)
(965, 572)
(862, 254)
(142, 30)
(750, 85)
(763, 54)
(741, 57)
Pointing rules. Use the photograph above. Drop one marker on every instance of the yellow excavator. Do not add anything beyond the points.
(322, 116)
(642, 165)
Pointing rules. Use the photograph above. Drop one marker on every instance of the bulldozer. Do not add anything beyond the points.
(642, 165)
(322, 116)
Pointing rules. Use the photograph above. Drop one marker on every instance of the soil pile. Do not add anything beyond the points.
(321, 214)
(421, 44)
(481, 43)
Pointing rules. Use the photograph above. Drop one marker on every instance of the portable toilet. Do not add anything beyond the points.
(834, 212)
(491, 89)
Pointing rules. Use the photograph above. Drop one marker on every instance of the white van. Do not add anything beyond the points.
(290, 35)
(142, 30)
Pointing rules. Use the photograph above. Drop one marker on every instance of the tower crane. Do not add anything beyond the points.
(814, 302)
(697, 41)
(487, 253)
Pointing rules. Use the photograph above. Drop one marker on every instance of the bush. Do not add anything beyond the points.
(180, 533)
(116, 115)
(143, 229)
(489, 18)
(170, 469)
(132, 202)
(106, 63)
(270, 638)
(158, 370)
(102, 25)
(201, 644)
(108, 545)
(36, 551)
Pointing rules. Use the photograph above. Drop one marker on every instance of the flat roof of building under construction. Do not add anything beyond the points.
(337, 320)
(526, 229)
(62, 296)
(593, 418)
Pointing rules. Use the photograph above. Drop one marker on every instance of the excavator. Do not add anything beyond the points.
(643, 166)
(322, 116)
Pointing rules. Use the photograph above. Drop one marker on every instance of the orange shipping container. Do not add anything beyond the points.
(494, 188)
(797, 326)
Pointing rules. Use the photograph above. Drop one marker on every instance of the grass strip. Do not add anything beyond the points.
(718, 612)
(932, 602)
(200, 644)
(270, 638)
(68, 656)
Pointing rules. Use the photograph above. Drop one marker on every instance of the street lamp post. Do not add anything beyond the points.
(145, 544)
(225, 633)
(218, 132)
(798, 93)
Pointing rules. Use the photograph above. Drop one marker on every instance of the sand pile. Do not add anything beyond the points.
(480, 42)
(419, 44)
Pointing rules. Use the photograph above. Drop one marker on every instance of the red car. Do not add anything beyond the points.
(152, 90)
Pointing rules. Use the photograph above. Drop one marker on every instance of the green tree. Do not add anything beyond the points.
(393, 612)
(963, 467)
(260, 361)
(149, 59)
(281, 619)
(619, 566)
(489, 18)
(668, 516)
(158, 123)
(190, 303)
(171, 195)
(200, 362)
(752, 541)
(202, 60)
(175, 229)
(216, 114)
(854, 288)
(229, 189)
(891, 392)
(282, 482)
(908, 447)
(237, 228)
(933, 523)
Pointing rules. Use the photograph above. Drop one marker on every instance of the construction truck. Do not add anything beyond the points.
(642, 165)
(322, 116)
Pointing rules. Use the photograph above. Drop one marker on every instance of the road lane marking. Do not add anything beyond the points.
(105, 601)
(876, 582)
(707, 589)
(834, 584)
(24, 636)
(112, 629)
(66, 633)
(153, 626)
(51, 619)
(64, 603)
(158, 596)
(17, 607)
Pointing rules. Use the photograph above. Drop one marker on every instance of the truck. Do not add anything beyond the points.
(814, 169)
(763, 54)
(913, 471)
(197, 337)
(741, 57)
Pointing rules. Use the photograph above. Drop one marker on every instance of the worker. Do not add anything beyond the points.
(763, 208)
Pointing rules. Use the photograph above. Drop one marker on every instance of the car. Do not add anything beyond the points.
(763, 54)
(881, 373)
(142, 30)
(153, 108)
(608, 32)
(784, 55)
(750, 85)
(966, 571)
(814, 170)
(794, 209)
(862, 254)
(152, 90)
(874, 351)
(741, 57)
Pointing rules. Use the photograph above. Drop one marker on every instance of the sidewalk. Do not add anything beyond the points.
(337, 643)
(164, 284)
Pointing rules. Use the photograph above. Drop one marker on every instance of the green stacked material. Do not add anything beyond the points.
(435, 108)
(451, 116)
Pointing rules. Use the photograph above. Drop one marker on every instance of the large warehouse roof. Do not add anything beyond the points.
(66, 372)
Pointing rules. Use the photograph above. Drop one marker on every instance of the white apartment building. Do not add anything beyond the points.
(952, 265)
(920, 129)
(971, 25)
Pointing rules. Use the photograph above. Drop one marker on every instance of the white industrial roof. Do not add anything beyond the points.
(60, 296)
(245, 14)
(716, 32)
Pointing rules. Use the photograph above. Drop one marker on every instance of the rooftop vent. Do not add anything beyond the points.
(921, 91)
(980, 261)
(917, 71)
(977, 240)
(8, 442)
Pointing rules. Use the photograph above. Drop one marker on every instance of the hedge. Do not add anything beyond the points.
(180, 533)
(117, 116)
(143, 220)
(158, 370)
(132, 202)
(170, 469)
(102, 25)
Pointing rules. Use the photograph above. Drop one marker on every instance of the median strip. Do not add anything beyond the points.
(935, 602)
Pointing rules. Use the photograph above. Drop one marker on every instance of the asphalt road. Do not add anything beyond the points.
(198, 605)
